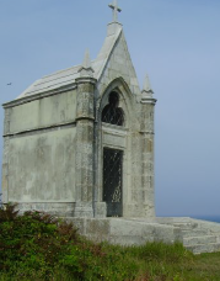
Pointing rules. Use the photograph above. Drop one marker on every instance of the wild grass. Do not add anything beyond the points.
(35, 246)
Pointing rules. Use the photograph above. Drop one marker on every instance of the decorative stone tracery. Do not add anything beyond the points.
(112, 113)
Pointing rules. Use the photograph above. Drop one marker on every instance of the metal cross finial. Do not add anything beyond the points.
(115, 10)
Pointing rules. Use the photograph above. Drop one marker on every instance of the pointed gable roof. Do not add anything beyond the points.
(113, 57)
(114, 60)
(113, 34)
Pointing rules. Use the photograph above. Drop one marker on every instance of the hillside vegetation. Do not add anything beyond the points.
(36, 246)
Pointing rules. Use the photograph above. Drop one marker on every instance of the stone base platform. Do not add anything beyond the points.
(196, 235)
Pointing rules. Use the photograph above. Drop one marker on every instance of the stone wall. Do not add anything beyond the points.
(39, 152)
(41, 113)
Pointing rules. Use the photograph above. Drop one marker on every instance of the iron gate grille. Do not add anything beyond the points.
(112, 181)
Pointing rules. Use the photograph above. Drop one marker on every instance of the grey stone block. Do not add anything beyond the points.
(98, 227)
(204, 248)
(101, 210)
(206, 239)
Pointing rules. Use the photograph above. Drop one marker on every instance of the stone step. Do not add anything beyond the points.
(195, 232)
(125, 240)
(206, 239)
(186, 225)
(199, 237)
(129, 240)
(204, 248)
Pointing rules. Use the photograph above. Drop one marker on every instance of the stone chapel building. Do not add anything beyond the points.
(80, 142)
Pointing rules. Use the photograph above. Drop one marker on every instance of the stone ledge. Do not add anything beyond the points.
(195, 235)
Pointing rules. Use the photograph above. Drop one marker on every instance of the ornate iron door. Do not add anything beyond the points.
(112, 181)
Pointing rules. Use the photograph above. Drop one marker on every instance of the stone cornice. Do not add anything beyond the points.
(148, 101)
(41, 129)
(85, 118)
(86, 80)
(41, 95)
(146, 132)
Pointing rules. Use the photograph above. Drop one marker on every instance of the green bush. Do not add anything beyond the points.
(34, 243)
(36, 246)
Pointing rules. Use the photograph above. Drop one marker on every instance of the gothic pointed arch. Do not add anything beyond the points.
(116, 103)
(116, 108)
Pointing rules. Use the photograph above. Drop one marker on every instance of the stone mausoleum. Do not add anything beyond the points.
(80, 142)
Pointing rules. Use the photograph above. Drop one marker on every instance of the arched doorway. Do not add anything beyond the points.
(112, 114)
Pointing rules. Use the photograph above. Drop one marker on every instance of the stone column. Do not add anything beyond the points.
(84, 146)
(147, 146)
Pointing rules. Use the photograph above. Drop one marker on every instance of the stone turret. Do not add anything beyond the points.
(84, 139)
(147, 132)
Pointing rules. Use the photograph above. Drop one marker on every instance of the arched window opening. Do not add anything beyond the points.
(112, 113)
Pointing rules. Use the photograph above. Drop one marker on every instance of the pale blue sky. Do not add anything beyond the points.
(176, 42)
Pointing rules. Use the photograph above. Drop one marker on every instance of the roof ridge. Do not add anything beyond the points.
(108, 53)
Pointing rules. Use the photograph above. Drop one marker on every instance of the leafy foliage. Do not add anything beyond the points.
(33, 242)
(36, 246)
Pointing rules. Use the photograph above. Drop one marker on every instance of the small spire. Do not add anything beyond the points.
(147, 86)
(87, 61)
(86, 68)
(115, 10)
(147, 92)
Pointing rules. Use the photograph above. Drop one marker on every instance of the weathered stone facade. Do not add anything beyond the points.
(59, 131)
